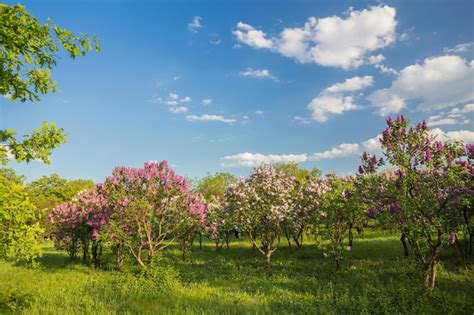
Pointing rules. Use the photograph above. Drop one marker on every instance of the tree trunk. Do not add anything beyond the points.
(227, 236)
(459, 249)
(405, 245)
(85, 250)
(430, 276)
(287, 235)
(351, 236)
(200, 240)
(470, 244)
(269, 257)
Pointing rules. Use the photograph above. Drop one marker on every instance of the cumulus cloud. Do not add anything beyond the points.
(437, 83)
(456, 116)
(324, 105)
(350, 149)
(384, 69)
(371, 146)
(255, 159)
(344, 150)
(258, 73)
(335, 100)
(331, 41)
(208, 117)
(207, 101)
(195, 24)
(173, 101)
(186, 99)
(173, 96)
(248, 35)
(351, 85)
(259, 112)
(465, 136)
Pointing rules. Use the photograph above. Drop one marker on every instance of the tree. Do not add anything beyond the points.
(337, 214)
(11, 175)
(262, 204)
(27, 54)
(48, 192)
(295, 226)
(422, 196)
(78, 224)
(220, 222)
(150, 208)
(19, 230)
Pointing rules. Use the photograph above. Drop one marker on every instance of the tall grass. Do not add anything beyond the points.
(375, 279)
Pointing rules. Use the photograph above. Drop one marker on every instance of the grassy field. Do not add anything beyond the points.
(375, 279)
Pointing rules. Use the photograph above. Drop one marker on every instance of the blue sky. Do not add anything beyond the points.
(223, 86)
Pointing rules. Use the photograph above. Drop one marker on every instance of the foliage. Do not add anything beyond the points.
(12, 176)
(27, 55)
(220, 222)
(261, 205)
(149, 209)
(28, 52)
(337, 214)
(214, 186)
(48, 192)
(294, 227)
(421, 194)
(37, 145)
(78, 224)
(303, 175)
(19, 231)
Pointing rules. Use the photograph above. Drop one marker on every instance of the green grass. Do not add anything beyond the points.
(375, 279)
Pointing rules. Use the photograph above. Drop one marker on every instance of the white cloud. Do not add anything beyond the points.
(330, 41)
(371, 146)
(350, 149)
(207, 101)
(208, 117)
(195, 25)
(255, 159)
(469, 108)
(456, 116)
(466, 136)
(376, 59)
(345, 149)
(384, 69)
(335, 99)
(176, 78)
(187, 99)
(461, 48)
(258, 73)
(178, 109)
(324, 105)
(172, 102)
(436, 83)
(351, 85)
(248, 35)
(173, 96)
(259, 112)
